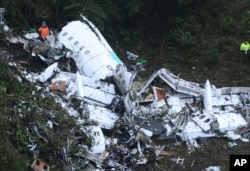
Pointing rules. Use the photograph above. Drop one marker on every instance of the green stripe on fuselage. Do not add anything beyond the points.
(116, 58)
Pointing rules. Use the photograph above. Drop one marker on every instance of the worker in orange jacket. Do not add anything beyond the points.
(44, 31)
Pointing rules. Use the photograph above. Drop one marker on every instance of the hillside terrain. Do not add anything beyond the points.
(212, 152)
(228, 72)
(204, 46)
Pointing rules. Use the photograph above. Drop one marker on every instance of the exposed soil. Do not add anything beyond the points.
(228, 71)
(215, 152)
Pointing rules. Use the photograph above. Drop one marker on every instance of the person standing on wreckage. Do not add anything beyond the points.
(43, 31)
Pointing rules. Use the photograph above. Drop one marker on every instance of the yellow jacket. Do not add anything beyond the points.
(245, 47)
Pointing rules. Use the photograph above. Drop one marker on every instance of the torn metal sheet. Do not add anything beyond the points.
(204, 121)
(199, 111)
(123, 79)
(91, 90)
(96, 136)
(178, 84)
(44, 76)
(104, 117)
(98, 159)
(108, 104)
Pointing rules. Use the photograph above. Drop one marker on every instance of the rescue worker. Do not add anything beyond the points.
(244, 48)
(44, 31)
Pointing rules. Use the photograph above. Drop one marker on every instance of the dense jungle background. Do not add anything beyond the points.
(198, 39)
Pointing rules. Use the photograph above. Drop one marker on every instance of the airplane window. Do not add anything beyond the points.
(86, 52)
(82, 47)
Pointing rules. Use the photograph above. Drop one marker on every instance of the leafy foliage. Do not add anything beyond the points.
(88, 8)
(212, 57)
(208, 28)
(55, 12)
(23, 119)
(185, 33)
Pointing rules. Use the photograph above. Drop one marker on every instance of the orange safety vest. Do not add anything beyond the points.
(44, 31)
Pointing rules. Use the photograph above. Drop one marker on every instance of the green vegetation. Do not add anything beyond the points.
(24, 113)
(198, 38)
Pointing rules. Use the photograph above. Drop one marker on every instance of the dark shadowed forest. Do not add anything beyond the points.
(197, 39)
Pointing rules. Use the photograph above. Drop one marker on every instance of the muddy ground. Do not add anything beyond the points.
(212, 152)
(227, 71)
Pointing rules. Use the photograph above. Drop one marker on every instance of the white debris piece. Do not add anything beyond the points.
(179, 108)
(44, 76)
(208, 98)
(96, 137)
(213, 168)
(92, 91)
(79, 84)
(230, 121)
(103, 116)
(31, 35)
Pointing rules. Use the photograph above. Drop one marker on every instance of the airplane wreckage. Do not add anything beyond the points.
(165, 107)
